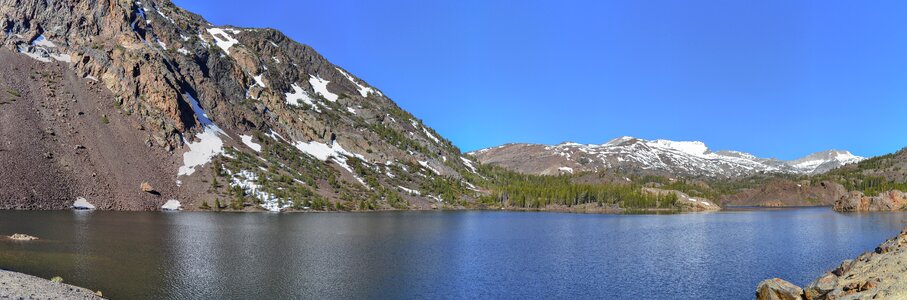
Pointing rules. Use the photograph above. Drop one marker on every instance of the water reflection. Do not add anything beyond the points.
(437, 254)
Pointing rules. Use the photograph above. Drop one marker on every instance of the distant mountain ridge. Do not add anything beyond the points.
(657, 157)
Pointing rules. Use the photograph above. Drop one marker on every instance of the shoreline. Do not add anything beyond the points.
(17, 285)
(606, 211)
(875, 274)
(654, 211)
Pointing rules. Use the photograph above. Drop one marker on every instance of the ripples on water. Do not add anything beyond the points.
(437, 254)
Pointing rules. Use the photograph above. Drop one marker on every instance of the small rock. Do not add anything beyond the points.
(843, 268)
(79, 147)
(887, 246)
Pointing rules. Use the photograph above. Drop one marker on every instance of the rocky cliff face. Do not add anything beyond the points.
(659, 157)
(198, 102)
(857, 201)
(873, 275)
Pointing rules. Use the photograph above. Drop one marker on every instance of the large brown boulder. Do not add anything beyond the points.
(821, 287)
(777, 289)
(857, 201)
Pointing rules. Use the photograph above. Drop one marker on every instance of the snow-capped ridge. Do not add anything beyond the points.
(683, 158)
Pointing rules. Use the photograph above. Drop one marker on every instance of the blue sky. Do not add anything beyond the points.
(774, 78)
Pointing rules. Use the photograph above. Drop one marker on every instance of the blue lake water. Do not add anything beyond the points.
(404, 255)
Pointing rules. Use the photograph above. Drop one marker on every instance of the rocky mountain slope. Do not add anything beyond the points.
(659, 157)
(873, 175)
(776, 192)
(129, 104)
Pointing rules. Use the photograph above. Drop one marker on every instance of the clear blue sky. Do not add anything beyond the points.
(775, 78)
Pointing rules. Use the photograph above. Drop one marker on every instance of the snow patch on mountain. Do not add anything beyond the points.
(334, 152)
(172, 205)
(259, 81)
(223, 39)
(431, 136)
(469, 165)
(428, 166)
(298, 96)
(321, 87)
(82, 203)
(247, 139)
(248, 182)
(208, 146)
(41, 41)
(409, 191)
(363, 90)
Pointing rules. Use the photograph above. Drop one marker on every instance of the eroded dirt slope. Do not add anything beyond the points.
(61, 138)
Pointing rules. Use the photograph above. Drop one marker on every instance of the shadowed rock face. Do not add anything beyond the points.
(872, 275)
(150, 59)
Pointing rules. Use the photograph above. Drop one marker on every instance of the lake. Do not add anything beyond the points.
(464, 254)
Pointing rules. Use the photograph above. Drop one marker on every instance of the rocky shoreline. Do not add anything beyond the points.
(881, 274)
(857, 201)
(15, 285)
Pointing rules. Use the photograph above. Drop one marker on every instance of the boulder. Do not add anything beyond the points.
(819, 288)
(146, 187)
(777, 289)
(843, 268)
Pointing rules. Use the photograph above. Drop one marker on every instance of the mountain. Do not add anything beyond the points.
(130, 104)
(656, 157)
(873, 175)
